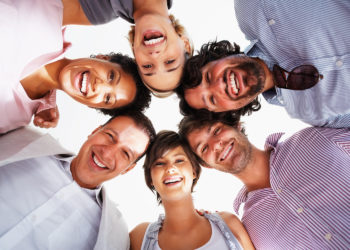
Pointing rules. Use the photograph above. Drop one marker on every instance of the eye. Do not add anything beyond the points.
(110, 136)
(111, 76)
(126, 154)
(204, 149)
(179, 160)
(147, 66)
(207, 77)
(159, 163)
(108, 98)
(170, 61)
(217, 130)
(212, 100)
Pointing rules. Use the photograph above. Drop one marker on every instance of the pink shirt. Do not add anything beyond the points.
(31, 37)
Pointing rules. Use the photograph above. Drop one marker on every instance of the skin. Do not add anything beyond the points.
(108, 86)
(116, 145)
(161, 64)
(215, 92)
(226, 149)
(182, 223)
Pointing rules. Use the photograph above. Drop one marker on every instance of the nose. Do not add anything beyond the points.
(109, 154)
(171, 169)
(154, 53)
(217, 145)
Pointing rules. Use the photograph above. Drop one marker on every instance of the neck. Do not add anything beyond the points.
(145, 7)
(257, 173)
(40, 82)
(73, 13)
(180, 216)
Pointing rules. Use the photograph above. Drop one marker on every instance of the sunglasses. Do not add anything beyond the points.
(300, 78)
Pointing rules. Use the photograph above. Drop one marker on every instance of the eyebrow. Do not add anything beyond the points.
(117, 135)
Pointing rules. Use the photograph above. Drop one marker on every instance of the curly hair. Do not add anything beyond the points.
(167, 140)
(192, 75)
(142, 98)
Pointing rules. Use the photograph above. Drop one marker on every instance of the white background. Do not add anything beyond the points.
(204, 21)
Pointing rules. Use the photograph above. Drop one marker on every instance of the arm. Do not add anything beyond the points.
(136, 236)
(237, 229)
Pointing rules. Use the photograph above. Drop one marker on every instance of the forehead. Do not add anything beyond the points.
(128, 133)
(174, 152)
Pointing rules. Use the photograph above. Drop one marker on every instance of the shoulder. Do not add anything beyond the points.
(237, 228)
(137, 234)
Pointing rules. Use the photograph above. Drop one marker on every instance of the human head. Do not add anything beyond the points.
(161, 46)
(218, 140)
(108, 82)
(204, 79)
(112, 149)
(164, 142)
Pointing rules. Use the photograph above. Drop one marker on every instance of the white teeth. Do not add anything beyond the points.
(83, 84)
(226, 152)
(233, 83)
(172, 180)
(154, 40)
(98, 163)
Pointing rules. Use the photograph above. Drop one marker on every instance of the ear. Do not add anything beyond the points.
(103, 57)
(128, 169)
(188, 46)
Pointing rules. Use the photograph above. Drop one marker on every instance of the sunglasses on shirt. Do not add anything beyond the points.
(300, 78)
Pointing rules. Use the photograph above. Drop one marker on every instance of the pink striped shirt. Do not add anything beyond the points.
(308, 204)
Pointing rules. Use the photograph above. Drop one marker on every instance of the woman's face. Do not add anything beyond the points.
(159, 52)
(97, 83)
(172, 175)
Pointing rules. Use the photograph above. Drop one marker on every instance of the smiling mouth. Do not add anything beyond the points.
(172, 180)
(226, 152)
(232, 82)
(153, 38)
(98, 163)
(83, 82)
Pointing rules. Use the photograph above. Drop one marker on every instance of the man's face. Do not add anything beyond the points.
(109, 151)
(229, 83)
(222, 147)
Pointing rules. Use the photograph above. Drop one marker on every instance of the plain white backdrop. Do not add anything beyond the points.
(205, 21)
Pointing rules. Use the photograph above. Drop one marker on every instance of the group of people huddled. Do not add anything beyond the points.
(296, 190)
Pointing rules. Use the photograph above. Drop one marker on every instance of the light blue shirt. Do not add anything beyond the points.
(296, 32)
(41, 207)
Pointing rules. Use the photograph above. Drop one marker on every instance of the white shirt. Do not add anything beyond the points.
(42, 208)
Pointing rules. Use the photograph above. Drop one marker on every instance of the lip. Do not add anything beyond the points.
(78, 82)
(239, 83)
(173, 177)
(226, 152)
(154, 33)
(93, 164)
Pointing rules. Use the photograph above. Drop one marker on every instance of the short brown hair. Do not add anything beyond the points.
(167, 140)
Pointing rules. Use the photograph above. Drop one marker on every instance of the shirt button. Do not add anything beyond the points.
(272, 22)
(328, 236)
(279, 191)
(300, 210)
(339, 63)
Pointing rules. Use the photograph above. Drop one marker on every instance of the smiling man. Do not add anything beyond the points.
(50, 199)
(290, 61)
(296, 190)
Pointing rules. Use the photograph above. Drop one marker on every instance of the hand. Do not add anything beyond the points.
(47, 118)
(202, 212)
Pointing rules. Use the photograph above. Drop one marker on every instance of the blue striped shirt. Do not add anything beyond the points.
(296, 32)
(308, 204)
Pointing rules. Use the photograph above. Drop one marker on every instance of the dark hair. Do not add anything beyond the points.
(199, 121)
(192, 75)
(143, 95)
(141, 121)
(164, 141)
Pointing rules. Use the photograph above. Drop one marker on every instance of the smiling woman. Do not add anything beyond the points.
(99, 82)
